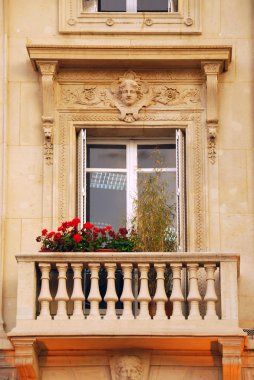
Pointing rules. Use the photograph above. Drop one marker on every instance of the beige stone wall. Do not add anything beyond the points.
(230, 203)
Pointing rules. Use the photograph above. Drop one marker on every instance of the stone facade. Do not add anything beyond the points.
(57, 76)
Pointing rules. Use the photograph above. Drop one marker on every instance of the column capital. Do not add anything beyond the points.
(47, 67)
(212, 67)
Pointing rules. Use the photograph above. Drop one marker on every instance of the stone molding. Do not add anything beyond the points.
(26, 358)
(73, 19)
(231, 349)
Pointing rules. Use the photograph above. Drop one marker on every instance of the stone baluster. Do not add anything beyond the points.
(61, 295)
(94, 295)
(77, 294)
(177, 295)
(144, 296)
(127, 296)
(160, 296)
(111, 296)
(194, 296)
(210, 296)
(45, 297)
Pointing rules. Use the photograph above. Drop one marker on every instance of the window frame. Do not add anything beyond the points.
(132, 173)
(73, 19)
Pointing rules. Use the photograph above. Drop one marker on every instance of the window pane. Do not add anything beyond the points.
(152, 5)
(161, 155)
(106, 156)
(112, 5)
(166, 178)
(106, 199)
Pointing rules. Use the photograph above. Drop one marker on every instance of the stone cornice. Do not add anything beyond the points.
(80, 55)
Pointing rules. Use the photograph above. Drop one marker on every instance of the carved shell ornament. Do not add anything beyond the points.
(129, 95)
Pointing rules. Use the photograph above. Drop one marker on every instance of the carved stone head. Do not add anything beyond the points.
(47, 132)
(129, 91)
(128, 368)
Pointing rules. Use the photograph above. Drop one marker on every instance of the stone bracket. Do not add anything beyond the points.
(48, 70)
(231, 349)
(26, 358)
(212, 69)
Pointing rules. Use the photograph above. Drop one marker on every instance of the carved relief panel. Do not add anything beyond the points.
(119, 99)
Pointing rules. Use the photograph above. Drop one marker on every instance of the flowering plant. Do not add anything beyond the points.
(69, 238)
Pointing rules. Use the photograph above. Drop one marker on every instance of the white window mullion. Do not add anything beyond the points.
(180, 191)
(82, 176)
(131, 5)
(132, 189)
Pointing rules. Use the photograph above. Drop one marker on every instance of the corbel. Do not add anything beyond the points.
(26, 358)
(231, 349)
(48, 70)
(212, 69)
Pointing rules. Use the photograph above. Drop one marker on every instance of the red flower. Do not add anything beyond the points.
(77, 238)
(51, 234)
(123, 231)
(57, 236)
(88, 225)
(75, 222)
(108, 228)
(64, 225)
(44, 232)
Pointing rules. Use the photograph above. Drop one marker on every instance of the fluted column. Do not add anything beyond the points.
(77, 294)
(210, 296)
(127, 296)
(45, 296)
(160, 296)
(144, 296)
(61, 295)
(94, 296)
(111, 296)
(177, 295)
(194, 296)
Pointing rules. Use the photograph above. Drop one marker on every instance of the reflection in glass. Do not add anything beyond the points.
(161, 155)
(112, 5)
(167, 178)
(106, 156)
(106, 199)
(153, 6)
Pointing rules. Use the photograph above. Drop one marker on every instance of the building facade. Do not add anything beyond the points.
(123, 77)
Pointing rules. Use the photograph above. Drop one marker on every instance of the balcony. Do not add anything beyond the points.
(108, 294)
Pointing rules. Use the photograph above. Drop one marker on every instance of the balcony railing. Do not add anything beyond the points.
(108, 293)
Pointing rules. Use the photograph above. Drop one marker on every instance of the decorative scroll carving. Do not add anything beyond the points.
(231, 349)
(88, 95)
(171, 96)
(212, 70)
(26, 358)
(130, 94)
(48, 70)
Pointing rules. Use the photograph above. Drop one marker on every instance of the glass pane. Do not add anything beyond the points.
(161, 155)
(106, 156)
(112, 5)
(167, 179)
(152, 5)
(106, 199)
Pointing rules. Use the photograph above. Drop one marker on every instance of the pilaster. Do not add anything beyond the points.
(48, 70)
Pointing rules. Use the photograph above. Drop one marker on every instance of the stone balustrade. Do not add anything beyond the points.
(109, 293)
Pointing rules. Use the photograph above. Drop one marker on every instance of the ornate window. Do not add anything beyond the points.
(129, 16)
(111, 172)
(130, 5)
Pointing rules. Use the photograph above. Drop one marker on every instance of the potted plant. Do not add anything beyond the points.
(70, 238)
